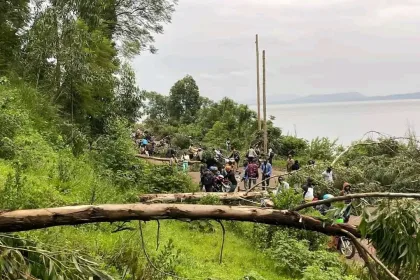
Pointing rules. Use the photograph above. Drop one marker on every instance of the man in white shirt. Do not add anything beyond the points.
(281, 186)
(328, 175)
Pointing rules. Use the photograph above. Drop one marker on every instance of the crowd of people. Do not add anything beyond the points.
(221, 173)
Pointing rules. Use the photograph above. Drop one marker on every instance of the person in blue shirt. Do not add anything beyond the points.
(266, 169)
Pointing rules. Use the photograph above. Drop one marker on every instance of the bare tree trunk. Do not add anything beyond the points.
(164, 159)
(189, 197)
(23, 220)
(358, 195)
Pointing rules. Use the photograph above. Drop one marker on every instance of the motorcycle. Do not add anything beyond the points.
(345, 246)
(221, 184)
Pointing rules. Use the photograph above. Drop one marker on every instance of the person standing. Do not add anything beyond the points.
(227, 145)
(207, 180)
(290, 162)
(185, 161)
(251, 155)
(308, 190)
(346, 191)
(230, 175)
(266, 173)
(200, 154)
(328, 175)
(235, 155)
(252, 173)
(296, 166)
(270, 156)
(281, 186)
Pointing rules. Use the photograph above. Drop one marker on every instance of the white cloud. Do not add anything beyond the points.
(313, 47)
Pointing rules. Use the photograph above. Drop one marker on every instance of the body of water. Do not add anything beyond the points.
(347, 121)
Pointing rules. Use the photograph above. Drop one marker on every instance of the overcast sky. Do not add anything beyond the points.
(312, 47)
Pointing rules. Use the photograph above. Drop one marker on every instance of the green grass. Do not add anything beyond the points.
(199, 251)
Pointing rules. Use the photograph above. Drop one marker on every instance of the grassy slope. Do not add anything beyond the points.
(52, 176)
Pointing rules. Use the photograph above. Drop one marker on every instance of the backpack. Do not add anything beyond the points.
(236, 156)
(252, 170)
(207, 178)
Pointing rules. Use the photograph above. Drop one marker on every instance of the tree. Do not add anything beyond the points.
(13, 17)
(157, 107)
(128, 98)
(133, 22)
(184, 100)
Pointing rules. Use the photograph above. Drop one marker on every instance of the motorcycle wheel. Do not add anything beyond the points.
(346, 248)
(225, 187)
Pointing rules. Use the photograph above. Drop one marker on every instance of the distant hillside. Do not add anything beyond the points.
(348, 97)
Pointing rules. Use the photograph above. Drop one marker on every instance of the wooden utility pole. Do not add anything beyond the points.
(258, 82)
(265, 108)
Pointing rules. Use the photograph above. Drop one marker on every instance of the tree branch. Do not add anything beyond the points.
(358, 195)
(366, 251)
(362, 252)
(23, 220)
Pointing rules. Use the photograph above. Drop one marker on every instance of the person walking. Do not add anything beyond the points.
(289, 164)
(266, 174)
(185, 160)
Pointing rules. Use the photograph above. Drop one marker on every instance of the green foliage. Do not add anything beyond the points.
(23, 259)
(210, 200)
(163, 265)
(394, 231)
(128, 98)
(287, 199)
(13, 17)
(291, 143)
(322, 148)
(184, 100)
(294, 257)
(180, 140)
(157, 108)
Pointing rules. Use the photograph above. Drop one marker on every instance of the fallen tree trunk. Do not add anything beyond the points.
(358, 195)
(164, 159)
(23, 220)
(191, 197)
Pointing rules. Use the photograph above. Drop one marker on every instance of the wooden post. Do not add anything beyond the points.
(265, 107)
(258, 83)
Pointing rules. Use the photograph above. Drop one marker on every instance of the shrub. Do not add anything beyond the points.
(291, 143)
(322, 148)
(181, 141)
